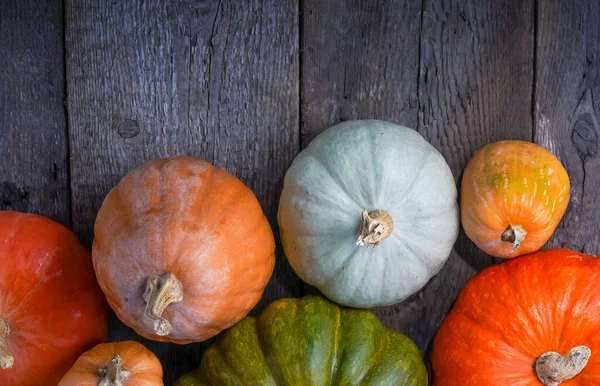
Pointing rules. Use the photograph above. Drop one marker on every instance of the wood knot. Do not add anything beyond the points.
(584, 137)
(128, 128)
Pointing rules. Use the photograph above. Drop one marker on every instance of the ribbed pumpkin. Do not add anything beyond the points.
(368, 213)
(513, 196)
(309, 342)
(182, 250)
(125, 363)
(530, 321)
(51, 308)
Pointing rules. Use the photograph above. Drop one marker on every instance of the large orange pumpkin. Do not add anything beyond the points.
(51, 308)
(125, 363)
(514, 194)
(182, 250)
(530, 321)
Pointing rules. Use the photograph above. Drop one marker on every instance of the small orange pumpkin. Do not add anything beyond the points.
(115, 364)
(514, 194)
(182, 250)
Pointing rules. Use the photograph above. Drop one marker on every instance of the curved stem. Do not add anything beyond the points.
(160, 292)
(6, 358)
(374, 227)
(514, 234)
(552, 368)
(114, 373)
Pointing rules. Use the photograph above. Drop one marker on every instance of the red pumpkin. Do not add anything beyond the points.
(532, 321)
(51, 308)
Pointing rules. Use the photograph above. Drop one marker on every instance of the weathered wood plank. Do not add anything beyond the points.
(459, 72)
(33, 133)
(476, 80)
(359, 60)
(213, 79)
(567, 108)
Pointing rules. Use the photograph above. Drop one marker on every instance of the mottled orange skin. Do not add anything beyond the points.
(513, 183)
(184, 216)
(511, 313)
(144, 366)
(50, 298)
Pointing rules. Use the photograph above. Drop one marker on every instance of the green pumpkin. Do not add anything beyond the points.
(309, 341)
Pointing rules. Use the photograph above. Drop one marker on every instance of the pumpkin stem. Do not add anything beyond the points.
(160, 292)
(6, 358)
(553, 368)
(374, 227)
(514, 234)
(114, 373)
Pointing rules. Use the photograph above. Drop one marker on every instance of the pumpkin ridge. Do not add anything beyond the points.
(326, 284)
(200, 195)
(36, 287)
(220, 351)
(336, 346)
(416, 178)
(340, 186)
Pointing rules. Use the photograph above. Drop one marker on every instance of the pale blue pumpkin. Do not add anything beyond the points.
(368, 213)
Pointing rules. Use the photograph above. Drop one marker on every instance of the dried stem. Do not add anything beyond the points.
(514, 234)
(6, 358)
(375, 226)
(160, 292)
(552, 368)
(114, 373)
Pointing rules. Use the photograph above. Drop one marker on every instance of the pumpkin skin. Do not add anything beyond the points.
(373, 166)
(510, 314)
(513, 184)
(188, 238)
(309, 342)
(49, 299)
(133, 365)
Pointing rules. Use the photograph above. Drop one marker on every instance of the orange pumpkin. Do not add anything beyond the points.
(514, 194)
(115, 364)
(51, 308)
(529, 320)
(182, 250)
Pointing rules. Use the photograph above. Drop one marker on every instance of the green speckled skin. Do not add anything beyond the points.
(309, 342)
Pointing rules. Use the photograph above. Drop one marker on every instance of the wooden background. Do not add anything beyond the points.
(90, 89)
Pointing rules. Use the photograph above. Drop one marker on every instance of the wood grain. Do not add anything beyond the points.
(459, 72)
(33, 136)
(475, 88)
(567, 107)
(359, 61)
(213, 79)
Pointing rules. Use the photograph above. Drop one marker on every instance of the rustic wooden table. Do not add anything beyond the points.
(91, 89)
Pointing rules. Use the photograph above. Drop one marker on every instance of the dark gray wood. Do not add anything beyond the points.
(459, 72)
(567, 107)
(213, 79)
(476, 80)
(360, 60)
(33, 136)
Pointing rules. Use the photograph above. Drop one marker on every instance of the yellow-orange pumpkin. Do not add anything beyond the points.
(514, 194)
(115, 364)
(182, 250)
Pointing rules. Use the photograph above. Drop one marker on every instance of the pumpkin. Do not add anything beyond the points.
(51, 308)
(310, 342)
(532, 320)
(182, 250)
(126, 363)
(513, 196)
(363, 184)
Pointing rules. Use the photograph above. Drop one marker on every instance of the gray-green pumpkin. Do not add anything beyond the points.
(363, 184)
(309, 342)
